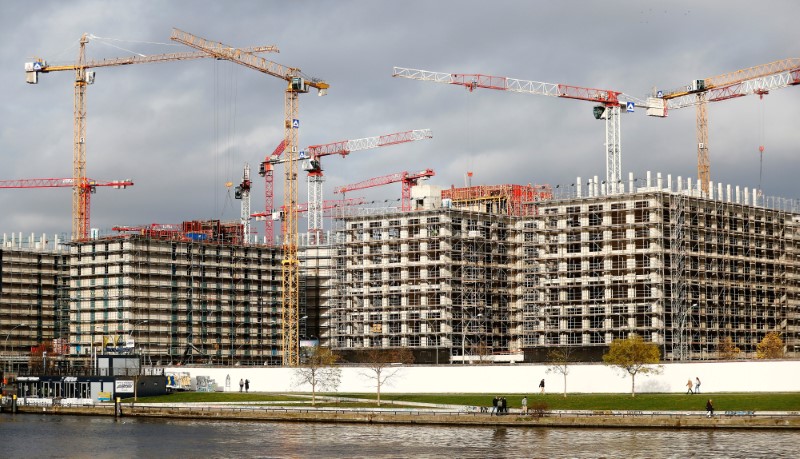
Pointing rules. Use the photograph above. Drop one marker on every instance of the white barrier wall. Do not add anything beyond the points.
(751, 376)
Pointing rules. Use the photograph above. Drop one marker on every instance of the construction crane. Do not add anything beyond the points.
(266, 170)
(243, 192)
(88, 186)
(312, 163)
(298, 83)
(760, 80)
(83, 78)
(609, 104)
(407, 179)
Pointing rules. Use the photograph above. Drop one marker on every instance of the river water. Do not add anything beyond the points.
(41, 436)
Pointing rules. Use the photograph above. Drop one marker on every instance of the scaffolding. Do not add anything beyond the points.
(438, 281)
(678, 268)
(188, 300)
(30, 274)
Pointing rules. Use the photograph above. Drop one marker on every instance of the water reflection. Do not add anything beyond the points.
(68, 436)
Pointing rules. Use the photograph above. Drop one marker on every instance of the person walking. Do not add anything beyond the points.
(495, 401)
(241, 384)
(525, 405)
(689, 386)
(696, 385)
(503, 405)
(541, 386)
(709, 408)
(247, 385)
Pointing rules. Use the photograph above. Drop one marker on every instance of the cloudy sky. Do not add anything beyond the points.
(181, 130)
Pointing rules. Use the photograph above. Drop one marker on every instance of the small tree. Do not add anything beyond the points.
(482, 351)
(633, 356)
(378, 363)
(559, 361)
(727, 349)
(771, 347)
(319, 371)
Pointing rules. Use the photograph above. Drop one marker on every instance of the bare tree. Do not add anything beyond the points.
(633, 356)
(482, 351)
(379, 364)
(560, 360)
(319, 371)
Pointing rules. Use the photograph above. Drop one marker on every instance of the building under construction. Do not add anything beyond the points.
(31, 274)
(498, 272)
(442, 279)
(193, 294)
(476, 274)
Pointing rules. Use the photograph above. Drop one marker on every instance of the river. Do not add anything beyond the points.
(40, 436)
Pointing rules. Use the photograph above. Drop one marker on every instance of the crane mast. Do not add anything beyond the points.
(290, 265)
(243, 192)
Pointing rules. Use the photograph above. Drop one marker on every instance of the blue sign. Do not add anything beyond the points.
(37, 66)
(629, 107)
(296, 123)
(660, 94)
(302, 154)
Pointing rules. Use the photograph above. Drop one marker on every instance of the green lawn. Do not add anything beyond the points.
(644, 402)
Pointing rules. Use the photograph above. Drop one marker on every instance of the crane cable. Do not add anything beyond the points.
(761, 135)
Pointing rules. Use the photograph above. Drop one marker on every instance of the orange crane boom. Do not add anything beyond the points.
(83, 78)
(297, 83)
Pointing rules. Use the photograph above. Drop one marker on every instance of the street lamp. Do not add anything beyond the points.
(464, 338)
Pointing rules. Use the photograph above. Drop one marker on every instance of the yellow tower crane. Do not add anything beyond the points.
(297, 83)
(83, 78)
(760, 79)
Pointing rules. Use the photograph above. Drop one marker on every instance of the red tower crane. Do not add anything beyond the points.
(88, 186)
(312, 164)
(408, 179)
(608, 108)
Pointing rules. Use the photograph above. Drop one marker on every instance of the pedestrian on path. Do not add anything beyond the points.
(525, 405)
(696, 385)
(689, 386)
(247, 385)
(241, 384)
(541, 386)
(709, 408)
(495, 401)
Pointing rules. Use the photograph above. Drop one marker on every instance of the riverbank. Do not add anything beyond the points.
(604, 419)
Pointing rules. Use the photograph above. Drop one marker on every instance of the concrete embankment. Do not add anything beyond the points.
(691, 420)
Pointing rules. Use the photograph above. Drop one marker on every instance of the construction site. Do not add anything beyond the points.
(483, 274)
